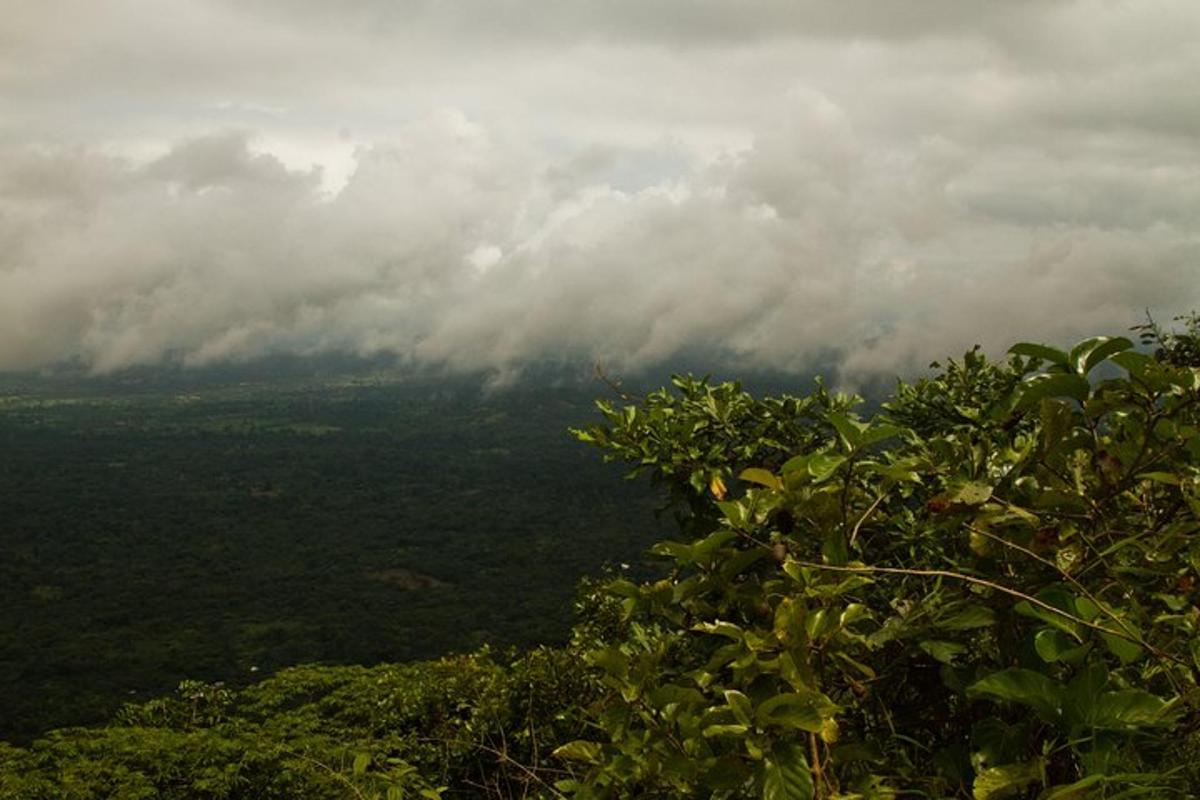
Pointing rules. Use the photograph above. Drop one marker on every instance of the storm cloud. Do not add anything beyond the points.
(481, 185)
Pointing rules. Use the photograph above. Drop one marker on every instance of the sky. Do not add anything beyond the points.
(488, 184)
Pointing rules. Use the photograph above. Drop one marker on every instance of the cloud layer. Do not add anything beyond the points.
(482, 185)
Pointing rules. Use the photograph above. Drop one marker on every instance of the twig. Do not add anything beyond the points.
(863, 518)
(944, 573)
(1133, 635)
(613, 383)
(505, 757)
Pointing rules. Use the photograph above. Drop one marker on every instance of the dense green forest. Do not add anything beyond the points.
(988, 587)
(213, 528)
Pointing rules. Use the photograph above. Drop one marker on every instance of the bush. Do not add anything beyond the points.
(987, 589)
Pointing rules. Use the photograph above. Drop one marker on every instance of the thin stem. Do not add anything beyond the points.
(944, 573)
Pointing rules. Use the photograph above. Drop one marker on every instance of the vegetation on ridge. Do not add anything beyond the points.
(986, 590)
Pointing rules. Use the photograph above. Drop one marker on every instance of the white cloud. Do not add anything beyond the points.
(485, 184)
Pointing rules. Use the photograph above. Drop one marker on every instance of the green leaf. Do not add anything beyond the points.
(806, 711)
(762, 477)
(1133, 362)
(1090, 352)
(795, 464)
(1073, 791)
(1082, 694)
(997, 783)
(361, 762)
(673, 693)
(971, 493)
(1128, 708)
(1045, 353)
(724, 730)
(786, 774)
(720, 628)
(973, 616)
(580, 750)
(1054, 645)
(822, 465)
(742, 709)
(1024, 687)
(879, 432)
(726, 774)
(677, 550)
(1123, 649)
(944, 652)
(850, 430)
(1057, 421)
(1056, 596)
(1053, 385)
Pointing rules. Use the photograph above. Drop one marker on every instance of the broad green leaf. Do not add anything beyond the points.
(806, 711)
(1090, 352)
(361, 762)
(1053, 385)
(1056, 596)
(997, 783)
(786, 774)
(966, 618)
(1045, 353)
(1086, 609)
(1053, 645)
(879, 432)
(677, 550)
(1024, 687)
(1133, 362)
(1057, 420)
(724, 730)
(795, 464)
(850, 430)
(673, 693)
(1123, 649)
(822, 465)
(726, 774)
(944, 652)
(1081, 696)
(734, 511)
(1073, 791)
(971, 493)
(580, 750)
(742, 709)
(762, 477)
(703, 549)
(1168, 478)
(719, 628)
(1128, 708)
(852, 614)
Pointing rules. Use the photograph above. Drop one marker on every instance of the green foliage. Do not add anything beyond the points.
(151, 536)
(987, 589)
(401, 731)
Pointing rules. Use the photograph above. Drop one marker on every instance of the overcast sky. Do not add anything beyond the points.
(486, 183)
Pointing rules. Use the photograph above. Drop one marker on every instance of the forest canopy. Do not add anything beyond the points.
(985, 589)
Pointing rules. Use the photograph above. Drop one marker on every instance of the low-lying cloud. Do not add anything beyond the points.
(892, 198)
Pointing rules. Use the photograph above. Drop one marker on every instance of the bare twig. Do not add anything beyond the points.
(863, 518)
(1132, 635)
(614, 384)
(958, 576)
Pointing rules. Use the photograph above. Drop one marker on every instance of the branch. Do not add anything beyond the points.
(958, 576)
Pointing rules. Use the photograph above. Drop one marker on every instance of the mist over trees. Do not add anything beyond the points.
(987, 589)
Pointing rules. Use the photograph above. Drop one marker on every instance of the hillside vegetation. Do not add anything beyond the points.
(987, 590)
(222, 530)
